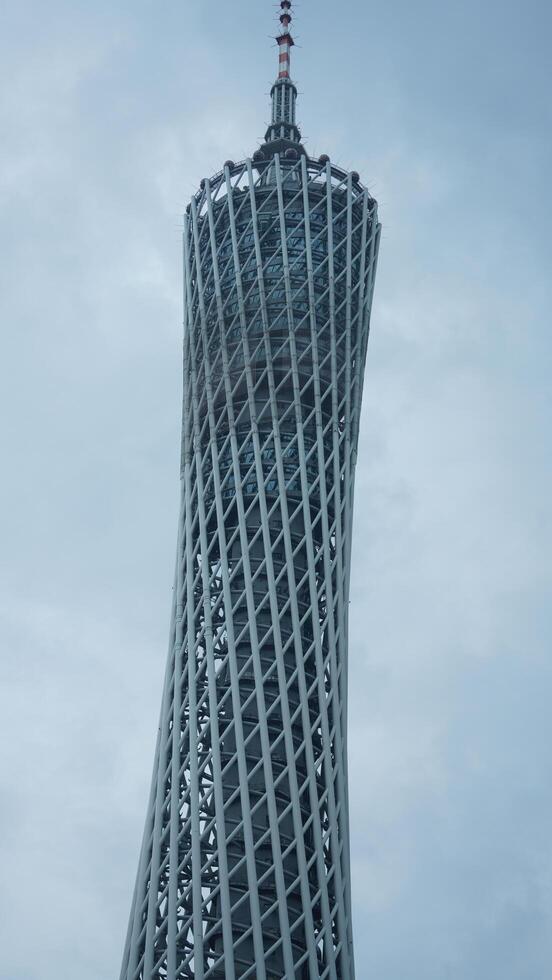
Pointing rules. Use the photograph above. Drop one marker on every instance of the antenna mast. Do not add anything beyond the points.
(283, 131)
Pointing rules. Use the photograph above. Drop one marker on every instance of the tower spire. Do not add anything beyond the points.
(284, 40)
(283, 130)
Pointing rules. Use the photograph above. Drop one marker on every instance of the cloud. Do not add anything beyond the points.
(111, 116)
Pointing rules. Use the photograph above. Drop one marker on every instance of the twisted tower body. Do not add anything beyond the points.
(244, 868)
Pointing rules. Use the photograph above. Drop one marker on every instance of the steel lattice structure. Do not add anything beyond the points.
(244, 868)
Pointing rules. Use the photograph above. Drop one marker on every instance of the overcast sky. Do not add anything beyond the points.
(110, 114)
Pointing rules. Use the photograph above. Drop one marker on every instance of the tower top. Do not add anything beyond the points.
(284, 40)
(283, 132)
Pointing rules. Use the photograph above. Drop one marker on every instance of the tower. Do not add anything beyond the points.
(244, 867)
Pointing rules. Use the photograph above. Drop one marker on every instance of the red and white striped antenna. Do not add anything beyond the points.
(283, 133)
(284, 40)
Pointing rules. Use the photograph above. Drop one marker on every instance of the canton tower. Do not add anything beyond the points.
(244, 869)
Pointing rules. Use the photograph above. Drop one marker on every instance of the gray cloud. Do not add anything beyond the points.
(111, 115)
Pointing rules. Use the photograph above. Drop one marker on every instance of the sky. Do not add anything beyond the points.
(111, 113)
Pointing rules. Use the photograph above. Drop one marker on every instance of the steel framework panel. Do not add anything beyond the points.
(244, 867)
